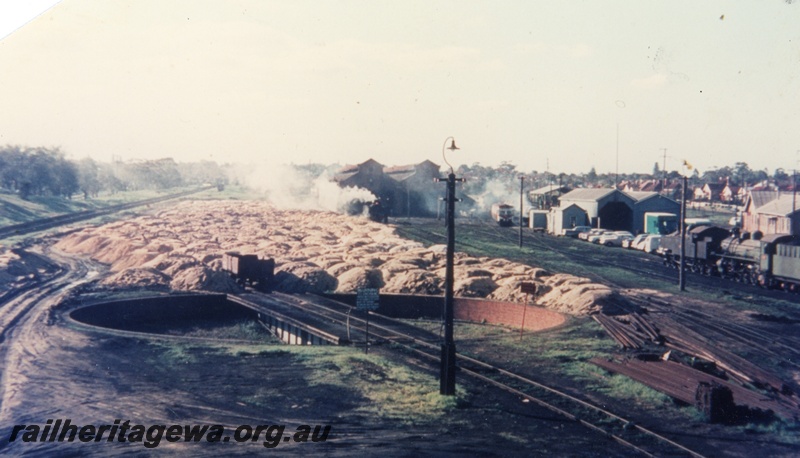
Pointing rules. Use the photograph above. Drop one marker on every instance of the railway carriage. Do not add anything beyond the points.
(503, 214)
(249, 269)
(783, 266)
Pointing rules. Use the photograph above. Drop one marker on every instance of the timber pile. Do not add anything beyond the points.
(684, 383)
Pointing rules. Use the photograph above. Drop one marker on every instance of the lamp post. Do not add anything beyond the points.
(447, 379)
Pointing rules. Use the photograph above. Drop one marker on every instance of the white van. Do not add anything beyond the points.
(650, 244)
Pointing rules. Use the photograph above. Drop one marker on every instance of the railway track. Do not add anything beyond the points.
(425, 346)
(69, 218)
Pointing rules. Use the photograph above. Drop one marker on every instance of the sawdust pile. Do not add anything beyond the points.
(181, 249)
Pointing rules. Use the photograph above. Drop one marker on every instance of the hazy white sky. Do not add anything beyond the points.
(530, 82)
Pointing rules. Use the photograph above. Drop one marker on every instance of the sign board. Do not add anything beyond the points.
(367, 299)
(527, 288)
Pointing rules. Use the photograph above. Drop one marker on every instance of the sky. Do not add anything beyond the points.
(618, 85)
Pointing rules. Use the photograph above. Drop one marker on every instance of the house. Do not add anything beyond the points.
(712, 191)
(730, 193)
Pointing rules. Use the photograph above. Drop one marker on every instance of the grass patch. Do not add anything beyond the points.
(242, 330)
(395, 391)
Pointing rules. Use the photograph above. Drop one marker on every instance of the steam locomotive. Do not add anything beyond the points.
(770, 261)
(377, 209)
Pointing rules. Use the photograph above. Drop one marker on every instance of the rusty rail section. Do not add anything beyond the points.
(634, 332)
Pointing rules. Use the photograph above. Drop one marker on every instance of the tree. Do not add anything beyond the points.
(592, 175)
(88, 178)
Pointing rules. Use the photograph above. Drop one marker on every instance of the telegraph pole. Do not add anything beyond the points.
(682, 272)
(521, 181)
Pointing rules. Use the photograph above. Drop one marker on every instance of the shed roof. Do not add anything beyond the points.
(404, 172)
(784, 205)
(549, 189)
(639, 196)
(761, 198)
(587, 194)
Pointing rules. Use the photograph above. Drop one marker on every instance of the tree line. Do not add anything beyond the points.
(48, 172)
(479, 176)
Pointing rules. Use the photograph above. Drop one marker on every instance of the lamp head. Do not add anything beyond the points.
(453, 146)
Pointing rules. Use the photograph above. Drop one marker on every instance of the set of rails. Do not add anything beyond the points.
(70, 218)
(388, 333)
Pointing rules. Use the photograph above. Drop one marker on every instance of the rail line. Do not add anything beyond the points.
(423, 345)
(69, 218)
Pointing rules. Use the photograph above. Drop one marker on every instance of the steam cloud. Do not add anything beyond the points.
(286, 187)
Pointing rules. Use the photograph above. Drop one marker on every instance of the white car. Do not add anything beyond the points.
(614, 238)
(575, 231)
(595, 238)
(592, 233)
(634, 241)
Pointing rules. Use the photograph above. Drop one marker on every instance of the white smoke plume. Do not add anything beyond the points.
(496, 192)
(287, 187)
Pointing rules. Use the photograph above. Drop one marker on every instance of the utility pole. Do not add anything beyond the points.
(521, 181)
(616, 170)
(682, 272)
(794, 191)
(664, 170)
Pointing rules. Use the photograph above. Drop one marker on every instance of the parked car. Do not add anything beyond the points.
(631, 244)
(575, 231)
(595, 238)
(586, 235)
(614, 238)
(650, 244)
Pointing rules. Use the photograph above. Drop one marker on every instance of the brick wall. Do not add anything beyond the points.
(475, 310)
